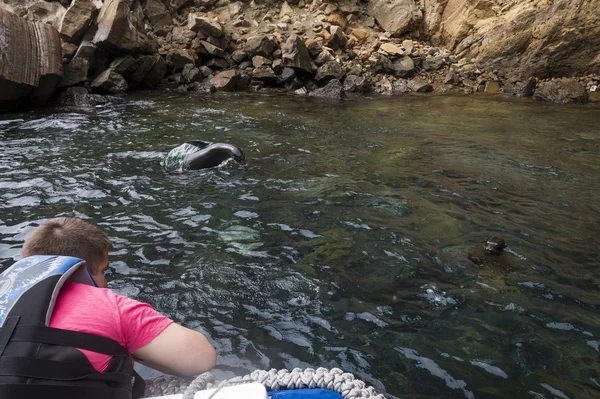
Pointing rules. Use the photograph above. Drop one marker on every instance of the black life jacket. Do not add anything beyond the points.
(37, 361)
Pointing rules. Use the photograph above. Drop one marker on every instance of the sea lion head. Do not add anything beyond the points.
(238, 155)
(494, 245)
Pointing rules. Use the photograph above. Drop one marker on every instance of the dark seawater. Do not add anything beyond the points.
(343, 242)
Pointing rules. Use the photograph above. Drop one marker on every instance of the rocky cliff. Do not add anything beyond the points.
(326, 48)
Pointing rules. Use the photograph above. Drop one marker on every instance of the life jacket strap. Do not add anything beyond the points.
(7, 331)
(75, 339)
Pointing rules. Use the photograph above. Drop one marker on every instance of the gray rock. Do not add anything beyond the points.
(434, 63)
(295, 54)
(338, 39)
(75, 72)
(355, 83)
(264, 74)
(259, 45)
(110, 81)
(157, 13)
(207, 26)
(451, 79)
(562, 91)
(77, 19)
(191, 73)
(419, 86)
(226, 80)
(79, 97)
(205, 71)
(145, 64)
(521, 89)
(154, 76)
(238, 56)
(330, 70)
(124, 65)
(333, 90)
(400, 86)
(286, 76)
(212, 50)
(178, 58)
(396, 17)
(403, 67)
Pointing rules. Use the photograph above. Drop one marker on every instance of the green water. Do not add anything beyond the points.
(343, 242)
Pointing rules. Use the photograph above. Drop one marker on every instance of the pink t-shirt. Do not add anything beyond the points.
(100, 311)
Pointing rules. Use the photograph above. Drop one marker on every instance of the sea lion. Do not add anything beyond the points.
(491, 253)
(199, 154)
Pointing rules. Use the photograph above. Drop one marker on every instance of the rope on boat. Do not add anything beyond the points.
(335, 380)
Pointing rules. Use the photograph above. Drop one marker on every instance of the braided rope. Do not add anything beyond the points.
(335, 380)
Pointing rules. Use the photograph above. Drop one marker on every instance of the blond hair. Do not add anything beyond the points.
(68, 237)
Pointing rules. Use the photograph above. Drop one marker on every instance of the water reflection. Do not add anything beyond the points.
(343, 242)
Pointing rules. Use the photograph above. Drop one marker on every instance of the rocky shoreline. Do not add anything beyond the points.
(316, 48)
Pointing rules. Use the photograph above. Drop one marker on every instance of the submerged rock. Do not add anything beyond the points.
(79, 96)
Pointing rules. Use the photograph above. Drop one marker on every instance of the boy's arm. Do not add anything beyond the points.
(178, 350)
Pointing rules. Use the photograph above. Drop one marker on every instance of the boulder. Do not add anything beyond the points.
(338, 39)
(330, 70)
(295, 55)
(434, 63)
(157, 13)
(158, 71)
(178, 58)
(124, 65)
(80, 97)
(287, 75)
(403, 67)
(31, 61)
(110, 81)
(259, 45)
(206, 26)
(396, 16)
(355, 83)
(419, 86)
(77, 19)
(211, 49)
(521, 89)
(491, 86)
(226, 80)
(333, 90)
(264, 74)
(43, 11)
(562, 91)
(145, 64)
(191, 74)
(119, 29)
(75, 72)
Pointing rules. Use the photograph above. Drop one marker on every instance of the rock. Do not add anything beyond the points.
(68, 50)
(158, 71)
(110, 81)
(419, 86)
(243, 82)
(259, 45)
(330, 70)
(521, 89)
(145, 64)
(562, 91)
(191, 73)
(338, 39)
(31, 61)
(354, 83)
(333, 90)
(338, 19)
(175, 5)
(205, 71)
(218, 63)
(451, 79)
(286, 10)
(75, 72)
(79, 97)
(43, 11)
(264, 74)
(360, 34)
(522, 39)
(206, 26)
(178, 58)
(433, 63)
(77, 19)
(408, 46)
(314, 47)
(295, 54)
(124, 65)
(492, 86)
(259, 61)
(323, 58)
(286, 76)
(391, 49)
(212, 49)
(238, 56)
(396, 17)
(403, 67)
(118, 29)
(157, 13)
(400, 87)
(226, 80)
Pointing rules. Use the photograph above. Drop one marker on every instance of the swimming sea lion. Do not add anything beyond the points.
(491, 253)
(199, 154)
